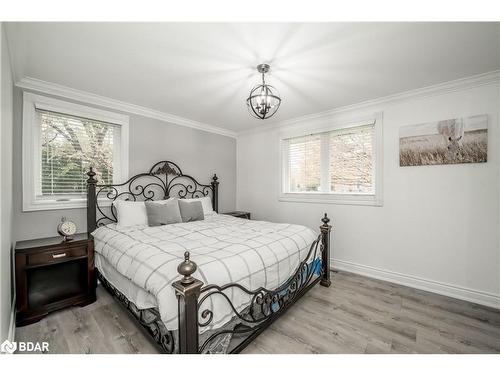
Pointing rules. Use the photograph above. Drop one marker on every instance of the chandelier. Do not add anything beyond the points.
(263, 101)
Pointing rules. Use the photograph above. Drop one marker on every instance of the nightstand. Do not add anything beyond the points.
(241, 214)
(52, 274)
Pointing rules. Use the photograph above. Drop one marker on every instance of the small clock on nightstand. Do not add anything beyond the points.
(241, 214)
(66, 228)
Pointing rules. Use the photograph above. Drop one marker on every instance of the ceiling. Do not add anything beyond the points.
(204, 71)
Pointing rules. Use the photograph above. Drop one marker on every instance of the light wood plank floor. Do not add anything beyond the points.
(355, 315)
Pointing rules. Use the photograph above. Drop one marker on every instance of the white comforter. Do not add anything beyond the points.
(226, 249)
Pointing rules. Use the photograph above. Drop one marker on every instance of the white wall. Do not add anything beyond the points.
(6, 87)
(438, 227)
(198, 153)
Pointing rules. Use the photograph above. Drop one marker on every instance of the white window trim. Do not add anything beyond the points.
(375, 199)
(30, 127)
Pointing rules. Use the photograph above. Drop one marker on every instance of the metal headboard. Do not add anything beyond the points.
(164, 180)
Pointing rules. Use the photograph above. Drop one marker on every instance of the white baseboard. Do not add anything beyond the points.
(466, 294)
(12, 326)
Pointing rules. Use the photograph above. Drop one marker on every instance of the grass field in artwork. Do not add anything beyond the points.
(432, 149)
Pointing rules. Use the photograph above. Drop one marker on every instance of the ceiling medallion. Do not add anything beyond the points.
(263, 101)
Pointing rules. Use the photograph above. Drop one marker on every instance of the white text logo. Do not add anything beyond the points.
(24, 346)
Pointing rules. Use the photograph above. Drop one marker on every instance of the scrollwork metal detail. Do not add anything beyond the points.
(164, 180)
(264, 304)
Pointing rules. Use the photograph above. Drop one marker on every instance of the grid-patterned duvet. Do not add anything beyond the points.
(226, 249)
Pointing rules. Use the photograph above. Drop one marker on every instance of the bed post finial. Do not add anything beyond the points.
(325, 219)
(91, 174)
(186, 269)
(215, 193)
(188, 290)
(325, 251)
(91, 201)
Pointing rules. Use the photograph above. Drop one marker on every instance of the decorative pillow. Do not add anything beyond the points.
(163, 200)
(130, 213)
(190, 211)
(160, 213)
(206, 203)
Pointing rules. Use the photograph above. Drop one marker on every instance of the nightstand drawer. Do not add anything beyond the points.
(53, 256)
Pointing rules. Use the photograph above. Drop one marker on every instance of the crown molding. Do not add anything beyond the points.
(37, 85)
(424, 92)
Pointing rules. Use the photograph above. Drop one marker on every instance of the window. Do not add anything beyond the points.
(351, 160)
(304, 155)
(341, 164)
(60, 142)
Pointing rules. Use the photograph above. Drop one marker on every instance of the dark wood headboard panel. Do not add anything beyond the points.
(164, 180)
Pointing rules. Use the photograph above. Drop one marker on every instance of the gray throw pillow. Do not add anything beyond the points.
(163, 213)
(191, 211)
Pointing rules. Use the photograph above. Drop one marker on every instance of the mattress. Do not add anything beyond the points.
(140, 297)
(226, 249)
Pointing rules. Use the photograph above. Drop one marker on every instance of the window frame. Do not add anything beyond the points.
(30, 147)
(326, 125)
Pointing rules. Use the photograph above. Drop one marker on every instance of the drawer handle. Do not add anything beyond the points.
(56, 256)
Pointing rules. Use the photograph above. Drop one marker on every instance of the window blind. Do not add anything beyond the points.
(337, 162)
(69, 145)
(351, 160)
(304, 170)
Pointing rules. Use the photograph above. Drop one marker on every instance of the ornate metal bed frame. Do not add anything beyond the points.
(165, 179)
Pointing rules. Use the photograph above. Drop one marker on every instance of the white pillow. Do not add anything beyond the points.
(131, 213)
(206, 203)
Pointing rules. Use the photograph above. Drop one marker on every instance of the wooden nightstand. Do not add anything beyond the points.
(242, 214)
(52, 274)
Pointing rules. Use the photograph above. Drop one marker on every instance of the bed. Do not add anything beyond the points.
(208, 286)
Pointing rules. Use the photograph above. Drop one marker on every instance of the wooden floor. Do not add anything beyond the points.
(355, 315)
